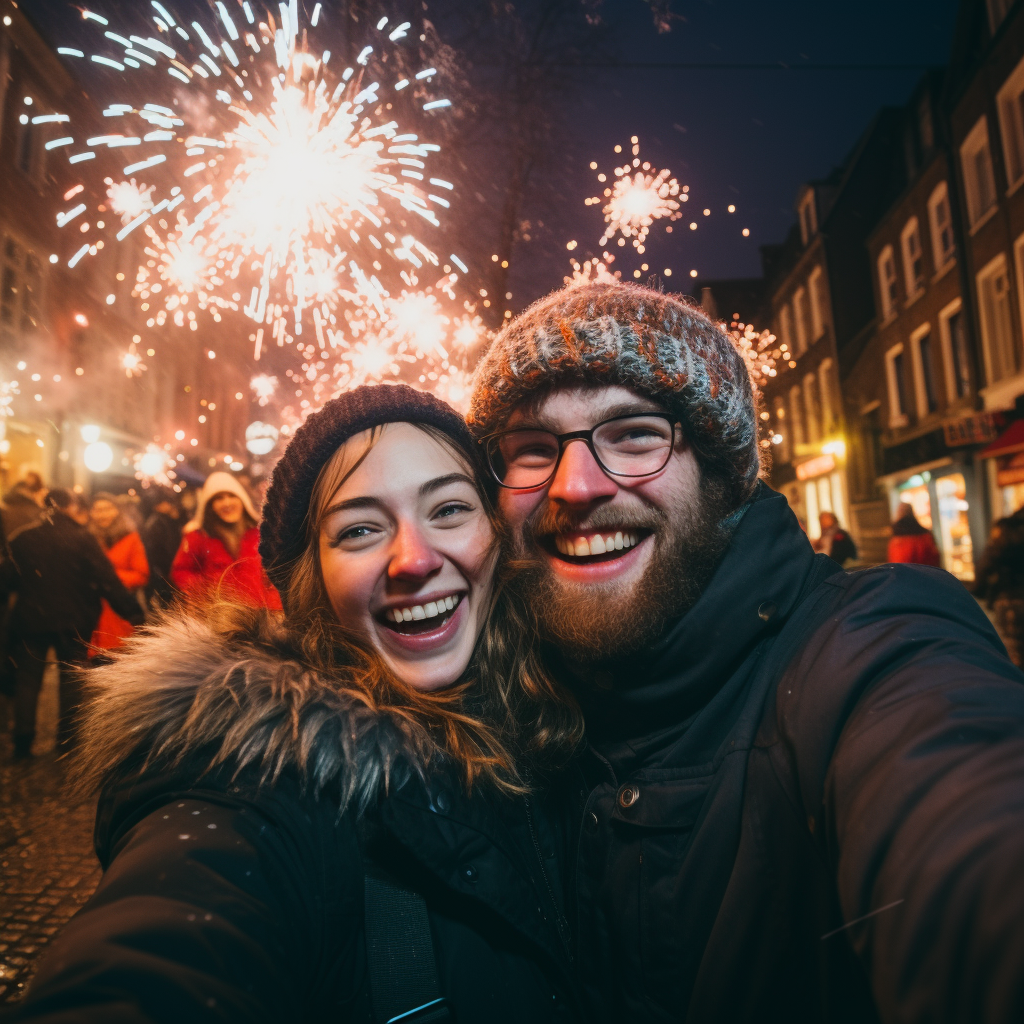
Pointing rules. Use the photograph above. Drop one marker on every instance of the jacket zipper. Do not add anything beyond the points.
(563, 925)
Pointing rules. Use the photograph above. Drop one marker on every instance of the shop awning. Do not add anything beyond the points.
(1009, 442)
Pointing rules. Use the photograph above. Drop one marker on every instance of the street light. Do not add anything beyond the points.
(98, 457)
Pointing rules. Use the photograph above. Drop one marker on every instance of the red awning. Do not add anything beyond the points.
(1008, 442)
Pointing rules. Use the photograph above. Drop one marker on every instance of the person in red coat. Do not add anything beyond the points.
(123, 546)
(219, 550)
(910, 541)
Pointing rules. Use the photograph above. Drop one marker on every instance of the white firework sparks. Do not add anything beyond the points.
(637, 196)
(274, 186)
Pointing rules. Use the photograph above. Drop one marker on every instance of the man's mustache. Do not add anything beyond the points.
(552, 519)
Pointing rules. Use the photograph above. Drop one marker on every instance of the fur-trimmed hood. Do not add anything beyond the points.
(183, 694)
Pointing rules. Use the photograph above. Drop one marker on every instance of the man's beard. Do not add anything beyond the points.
(592, 623)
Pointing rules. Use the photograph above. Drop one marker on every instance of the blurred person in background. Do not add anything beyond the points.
(60, 578)
(123, 547)
(910, 541)
(220, 547)
(834, 540)
(22, 505)
(161, 536)
(999, 584)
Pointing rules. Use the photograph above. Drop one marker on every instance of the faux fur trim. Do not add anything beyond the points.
(181, 693)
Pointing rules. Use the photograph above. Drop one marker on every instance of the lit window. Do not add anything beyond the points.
(1010, 103)
(913, 258)
(887, 281)
(979, 180)
(941, 223)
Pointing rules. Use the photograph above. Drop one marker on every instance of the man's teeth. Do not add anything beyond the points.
(423, 611)
(598, 544)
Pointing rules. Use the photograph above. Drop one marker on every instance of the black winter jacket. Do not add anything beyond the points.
(224, 899)
(60, 574)
(833, 837)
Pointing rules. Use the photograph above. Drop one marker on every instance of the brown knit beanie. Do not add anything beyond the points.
(642, 339)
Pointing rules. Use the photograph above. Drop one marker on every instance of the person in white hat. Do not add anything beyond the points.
(219, 549)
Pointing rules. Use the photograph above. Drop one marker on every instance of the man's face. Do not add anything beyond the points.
(600, 606)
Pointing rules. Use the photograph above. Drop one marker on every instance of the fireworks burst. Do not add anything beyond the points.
(154, 466)
(637, 197)
(419, 337)
(273, 186)
(263, 387)
(757, 349)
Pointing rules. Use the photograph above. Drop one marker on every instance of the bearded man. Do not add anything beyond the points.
(802, 794)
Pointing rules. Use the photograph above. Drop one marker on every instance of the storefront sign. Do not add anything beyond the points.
(815, 467)
(979, 429)
(1010, 470)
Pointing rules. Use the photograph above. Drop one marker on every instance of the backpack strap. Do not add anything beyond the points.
(399, 951)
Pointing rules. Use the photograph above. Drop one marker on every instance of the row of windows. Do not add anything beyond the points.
(976, 154)
(21, 275)
(802, 321)
(943, 250)
(912, 369)
(808, 416)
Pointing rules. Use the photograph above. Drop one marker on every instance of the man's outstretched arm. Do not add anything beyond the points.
(922, 799)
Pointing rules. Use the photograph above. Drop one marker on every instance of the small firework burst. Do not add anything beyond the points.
(758, 351)
(263, 387)
(637, 196)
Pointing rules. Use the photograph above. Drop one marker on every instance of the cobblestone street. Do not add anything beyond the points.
(47, 865)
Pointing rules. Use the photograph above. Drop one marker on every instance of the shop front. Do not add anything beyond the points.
(940, 476)
(821, 488)
(941, 499)
(1005, 458)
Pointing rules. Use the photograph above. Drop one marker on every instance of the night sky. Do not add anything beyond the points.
(745, 137)
(735, 135)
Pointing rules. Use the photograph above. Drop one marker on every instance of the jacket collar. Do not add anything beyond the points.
(753, 590)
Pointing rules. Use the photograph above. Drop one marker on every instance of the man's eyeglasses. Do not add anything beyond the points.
(631, 446)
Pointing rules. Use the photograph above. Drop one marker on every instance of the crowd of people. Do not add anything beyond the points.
(549, 713)
(79, 575)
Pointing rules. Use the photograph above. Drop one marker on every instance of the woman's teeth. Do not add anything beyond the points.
(418, 612)
(598, 544)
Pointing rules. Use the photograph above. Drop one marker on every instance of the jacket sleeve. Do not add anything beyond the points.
(134, 571)
(187, 567)
(907, 721)
(108, 583)
(206, 913)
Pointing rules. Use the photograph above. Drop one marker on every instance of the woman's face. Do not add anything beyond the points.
(407, 554)
(227, 507)
(104, 513)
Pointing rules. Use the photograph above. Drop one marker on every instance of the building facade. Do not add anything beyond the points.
(818, 301)
(912, 389)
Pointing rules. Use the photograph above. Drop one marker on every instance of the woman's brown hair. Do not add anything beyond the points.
(504, 718)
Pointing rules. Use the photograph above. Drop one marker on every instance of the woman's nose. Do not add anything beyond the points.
(412, 557)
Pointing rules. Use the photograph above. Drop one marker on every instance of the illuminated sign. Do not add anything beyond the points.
(816, 467)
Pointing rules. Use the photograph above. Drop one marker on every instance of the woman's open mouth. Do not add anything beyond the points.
(424, 624)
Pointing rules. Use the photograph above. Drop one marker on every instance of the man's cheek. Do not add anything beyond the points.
(516, 506)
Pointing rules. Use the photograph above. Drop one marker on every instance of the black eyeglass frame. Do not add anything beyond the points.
(586, 436)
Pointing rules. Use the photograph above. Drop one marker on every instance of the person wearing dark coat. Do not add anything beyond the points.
(265, 781)
(60, 576)
(801, 798)
(161, 535)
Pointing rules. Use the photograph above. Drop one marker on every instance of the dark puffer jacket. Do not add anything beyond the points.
(226, 900)
(825, 830)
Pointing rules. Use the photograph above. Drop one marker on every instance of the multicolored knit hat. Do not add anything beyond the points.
(625, 334)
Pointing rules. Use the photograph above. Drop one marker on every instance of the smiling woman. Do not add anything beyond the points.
(261, 776)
